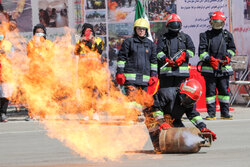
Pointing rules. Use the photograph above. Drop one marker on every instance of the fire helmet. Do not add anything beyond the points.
(192, 88)
(141, 22)
(174, 23)
(217, 20)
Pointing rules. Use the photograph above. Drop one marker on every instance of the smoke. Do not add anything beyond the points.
(191, 139)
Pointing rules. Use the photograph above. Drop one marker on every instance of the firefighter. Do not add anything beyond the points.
(216, 48)
(174, 49)
(6, 52)
(40, 54)
(88, 44)
(169, 106)
(137, 61)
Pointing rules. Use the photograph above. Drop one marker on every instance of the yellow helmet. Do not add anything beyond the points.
(141, 22)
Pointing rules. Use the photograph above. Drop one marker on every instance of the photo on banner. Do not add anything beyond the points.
(18, 12)
(95, 4)
(160, 10)
(53, 13)
(99, 28)
(121, 10)
(95, 15)
(157, 29)
(246, 11)
(118, 32)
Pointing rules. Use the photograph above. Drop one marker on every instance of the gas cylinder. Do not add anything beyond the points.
(183, 140)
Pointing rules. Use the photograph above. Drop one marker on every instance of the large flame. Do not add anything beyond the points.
(59, 89)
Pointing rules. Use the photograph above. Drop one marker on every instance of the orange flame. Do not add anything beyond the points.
(59, 89)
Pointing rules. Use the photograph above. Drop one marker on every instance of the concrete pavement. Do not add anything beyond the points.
(26, 144)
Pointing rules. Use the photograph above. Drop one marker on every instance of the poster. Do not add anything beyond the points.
(241, 26)
(121, 10)
(160, 10)
(195, 18)
(18, 12)
(53, 13)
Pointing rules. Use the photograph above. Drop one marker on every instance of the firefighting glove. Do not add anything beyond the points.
(120, 79)
(226, 60)
(162, 123)
(214, 63)
(171, 63)
(152, 80)
(212, 133)
(165, 126)
(181, 59)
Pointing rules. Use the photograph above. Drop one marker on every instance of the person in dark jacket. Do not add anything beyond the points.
(172, 103)
(137, 61)
(174, 49)
(215, 50)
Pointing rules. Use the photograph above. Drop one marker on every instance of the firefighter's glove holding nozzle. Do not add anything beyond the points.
(212, 133)
(152, 80)
(226, 60)
(171, 63)
(214, 62)
(120, 79)
(181, 59)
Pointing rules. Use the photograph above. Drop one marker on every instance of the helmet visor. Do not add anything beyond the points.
(186, 101)
(217, 24)
(174, 26)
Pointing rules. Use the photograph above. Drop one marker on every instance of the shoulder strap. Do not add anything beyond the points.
(182, 38)
(208, 36)
(225, 36)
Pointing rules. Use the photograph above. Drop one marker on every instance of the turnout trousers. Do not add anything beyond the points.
(222, 84)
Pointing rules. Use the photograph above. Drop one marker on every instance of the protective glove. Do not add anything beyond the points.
(152, 80)
(120, 79)
(165, 126)
(212, 133)
(214, 62)
(181, 59)
(171, 63)
(226, 60)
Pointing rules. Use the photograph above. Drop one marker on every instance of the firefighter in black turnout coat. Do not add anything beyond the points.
(215, 50)
(175, 102)
(137, 61)
(174, 48)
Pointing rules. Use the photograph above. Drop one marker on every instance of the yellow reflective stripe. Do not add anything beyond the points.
(232, 53)
(191, 54)
(204, 55)
(160, 55)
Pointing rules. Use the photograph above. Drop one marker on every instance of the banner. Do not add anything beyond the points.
(241, 26)
(195, 18)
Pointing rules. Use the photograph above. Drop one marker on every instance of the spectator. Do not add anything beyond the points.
(6, 52)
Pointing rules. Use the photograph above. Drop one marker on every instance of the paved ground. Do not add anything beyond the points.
(26, 144)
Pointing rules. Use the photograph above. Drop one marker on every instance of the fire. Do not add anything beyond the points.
(59, 89)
